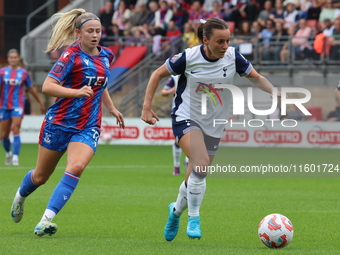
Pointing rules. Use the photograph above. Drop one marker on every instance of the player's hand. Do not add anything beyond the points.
(148, 116)
(120, 119)
(85, 91)
(42, 108)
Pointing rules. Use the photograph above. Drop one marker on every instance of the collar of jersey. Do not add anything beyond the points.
(205, 56)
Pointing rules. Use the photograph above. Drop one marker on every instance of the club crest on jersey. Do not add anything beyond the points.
(58, 67)
(47, 138)
(175, 58)
(224, 71)
(106, 62)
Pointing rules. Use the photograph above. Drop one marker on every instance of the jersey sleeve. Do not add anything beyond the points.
(170, 83)
(243, 66)
(28, 81)
(176, 64)
(63, 66)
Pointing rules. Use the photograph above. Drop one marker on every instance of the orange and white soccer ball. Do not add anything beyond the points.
(275, 230)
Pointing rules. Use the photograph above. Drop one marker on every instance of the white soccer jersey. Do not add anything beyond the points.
(199, 76)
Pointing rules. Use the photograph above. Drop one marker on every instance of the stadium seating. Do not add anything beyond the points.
(129, 57)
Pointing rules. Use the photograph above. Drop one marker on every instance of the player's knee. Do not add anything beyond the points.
(76, 168)
(202, 166)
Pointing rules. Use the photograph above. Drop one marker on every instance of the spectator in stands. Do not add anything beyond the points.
(180, 17)
(327, 27)
(116, 35)
(139, 16)
(336, 6)
(264, 14)
(279, 38)
(189, 36)
(277, 14)
(243, 36)
(153, 7)
(106, 17)
(196, 13)
(217, 11)
(256, 29)
(295, 114)
(290, 15)
(303, 6)
(301, 43)
(173, 38)
(286, 49)
(265, 36)
(162, 18)
(121, 17)
(314, 10)
(335, 41)
(327, 11)
(209, 6)
(335, 114)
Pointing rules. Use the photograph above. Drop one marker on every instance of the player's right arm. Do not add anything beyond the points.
(148, 115)
(52, 87)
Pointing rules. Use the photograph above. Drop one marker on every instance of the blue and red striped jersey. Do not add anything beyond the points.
(12, 87)
(75, 69)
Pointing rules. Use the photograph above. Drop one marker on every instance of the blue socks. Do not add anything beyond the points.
(62, 192)
(27, 185)
(7, 144)
(16, 144)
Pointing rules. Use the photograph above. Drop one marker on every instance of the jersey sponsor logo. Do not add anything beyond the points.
(13, 82)
(193, 72)
(58, 67)
(97, 80)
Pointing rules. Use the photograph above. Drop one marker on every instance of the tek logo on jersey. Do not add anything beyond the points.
(14, 82)
(97, 80)
(208, 89)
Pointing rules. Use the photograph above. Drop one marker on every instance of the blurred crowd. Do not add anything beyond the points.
(309, 29)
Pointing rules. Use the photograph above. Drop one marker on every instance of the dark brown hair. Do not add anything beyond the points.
(206, 29)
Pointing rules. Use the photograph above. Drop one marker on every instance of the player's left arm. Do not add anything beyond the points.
(34, 93)
(112, 109)
(261, 82)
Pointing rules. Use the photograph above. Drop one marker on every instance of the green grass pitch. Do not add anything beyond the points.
(120, 205)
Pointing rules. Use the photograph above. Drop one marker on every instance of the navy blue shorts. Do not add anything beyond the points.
(180, 128)
(56, 137)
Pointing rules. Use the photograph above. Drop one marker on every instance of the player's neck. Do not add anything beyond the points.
(91, 51)
(15, 67)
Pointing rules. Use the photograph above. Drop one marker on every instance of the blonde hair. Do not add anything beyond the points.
(63, 32)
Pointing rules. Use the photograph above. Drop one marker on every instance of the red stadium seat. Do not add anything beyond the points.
(312, 23)
(115, 49)
(231, 26)
(316, 114)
